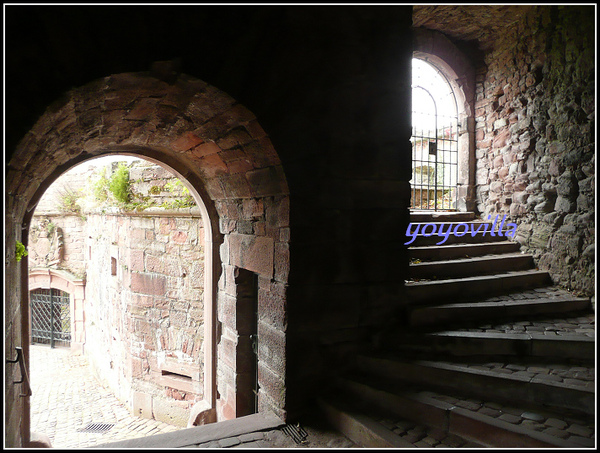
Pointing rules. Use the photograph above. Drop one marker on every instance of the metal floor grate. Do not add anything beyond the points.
(296, 432)
(96, 428)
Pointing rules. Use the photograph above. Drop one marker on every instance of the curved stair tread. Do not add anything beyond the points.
(476, 278)
(484, 422)
(535, 386)
(473, 259)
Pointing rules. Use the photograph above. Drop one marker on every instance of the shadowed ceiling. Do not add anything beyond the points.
(483, 24)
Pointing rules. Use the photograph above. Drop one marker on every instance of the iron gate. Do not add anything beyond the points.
(50, 317)
(434, 143)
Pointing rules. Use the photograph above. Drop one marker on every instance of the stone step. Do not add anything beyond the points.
(464, 267)
(435, 315)
(190, 437)
(470, 344)
(359, 428)
(420, 407)
(467, 288)
(369, 427)
(540, 391)
(441, 216)
(454, 251)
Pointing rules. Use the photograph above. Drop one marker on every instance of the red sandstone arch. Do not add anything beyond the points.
(219, 149)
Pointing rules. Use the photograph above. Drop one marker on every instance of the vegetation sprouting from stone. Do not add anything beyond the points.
(100, 186)
(119, 190)
(68, 201)
(119, 184)
(20, 251)
(185, 199)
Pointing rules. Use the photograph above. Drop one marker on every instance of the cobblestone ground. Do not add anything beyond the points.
(66, 398)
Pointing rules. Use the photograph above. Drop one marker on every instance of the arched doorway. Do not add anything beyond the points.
(434, 183)
(228, 162)
(133, 234)
(443, 125)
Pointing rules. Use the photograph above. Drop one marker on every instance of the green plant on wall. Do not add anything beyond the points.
(185, 199)
(20, 251)
(68, 201)
(119, 184)
(155, 190)
(100, 186)
(50, 227)
(119, 188)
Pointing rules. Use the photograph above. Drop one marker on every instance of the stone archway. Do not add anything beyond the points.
(218, 147)
(437, 50)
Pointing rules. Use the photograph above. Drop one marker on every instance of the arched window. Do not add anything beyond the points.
(434, 183)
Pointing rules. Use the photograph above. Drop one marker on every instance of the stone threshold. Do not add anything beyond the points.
(202, 434)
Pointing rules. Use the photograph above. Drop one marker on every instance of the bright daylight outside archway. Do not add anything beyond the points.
(434, 183)
(131, 231)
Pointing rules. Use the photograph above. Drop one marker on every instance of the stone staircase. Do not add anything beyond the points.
(492, 355)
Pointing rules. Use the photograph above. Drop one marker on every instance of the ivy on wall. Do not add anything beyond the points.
(20, 251)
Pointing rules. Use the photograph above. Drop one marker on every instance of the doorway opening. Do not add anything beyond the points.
(247, 342)
(50, 317)
(141, 325)
(435, 137)
(218, 149)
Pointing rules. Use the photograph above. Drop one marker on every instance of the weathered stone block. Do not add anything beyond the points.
(272, 305)
(148, 284)
(520, 197)
(565, 205)
(265, 182)
(271, 384)
(186, 142)
(567, 185)
(179, 237)
(540, 236)
(252, 253)
(496, 186)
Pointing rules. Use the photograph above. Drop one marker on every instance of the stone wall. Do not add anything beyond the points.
(535, 139)
(144, 311)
